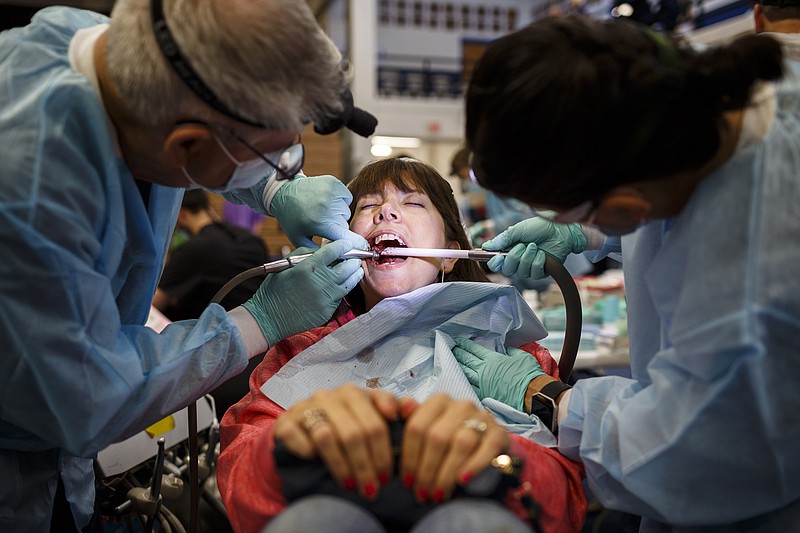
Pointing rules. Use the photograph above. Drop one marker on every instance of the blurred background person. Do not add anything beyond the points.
(781, 20)
(473, 197)
(243, 216)
(214, 253)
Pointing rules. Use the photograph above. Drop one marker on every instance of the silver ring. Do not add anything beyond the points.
(313, 417)
(479, 426)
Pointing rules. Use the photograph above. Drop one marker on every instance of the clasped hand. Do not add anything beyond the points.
(445, 441)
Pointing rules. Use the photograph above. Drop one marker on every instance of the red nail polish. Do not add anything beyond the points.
(465, 478)
(408, 480)
(383, 477)
(407, 409)
(438, 496)
(422, 495)
(350, 483)
(370, 491)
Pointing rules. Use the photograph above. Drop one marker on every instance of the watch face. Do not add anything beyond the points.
(543, 403)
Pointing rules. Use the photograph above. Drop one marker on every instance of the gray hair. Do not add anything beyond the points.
(267, 60)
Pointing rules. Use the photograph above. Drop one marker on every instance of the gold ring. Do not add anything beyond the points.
(479, 426)
(313, 417)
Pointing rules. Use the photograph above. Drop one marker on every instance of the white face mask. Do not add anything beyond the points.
(246, 174)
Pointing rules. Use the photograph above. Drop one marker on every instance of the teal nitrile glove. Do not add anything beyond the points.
(306, 295)
(494, 375)
(308, 206)
(530, 239)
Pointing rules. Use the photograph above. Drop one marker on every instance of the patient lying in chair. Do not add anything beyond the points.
(383, 369)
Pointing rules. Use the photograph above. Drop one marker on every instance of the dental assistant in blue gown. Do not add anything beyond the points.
(693, 157)
(98, 139)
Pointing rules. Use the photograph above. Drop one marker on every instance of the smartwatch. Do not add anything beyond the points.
(544, 405)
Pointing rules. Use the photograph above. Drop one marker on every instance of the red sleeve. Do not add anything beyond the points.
(542, 354)
(554, 482)
(249, 484)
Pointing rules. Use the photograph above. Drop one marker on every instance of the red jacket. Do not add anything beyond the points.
(252, 490)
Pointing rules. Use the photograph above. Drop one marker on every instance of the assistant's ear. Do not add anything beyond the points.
(622, 207)
(183, 140)
(758, 18)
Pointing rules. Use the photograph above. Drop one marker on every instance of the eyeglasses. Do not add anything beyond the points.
(584, 213)
(290, 161)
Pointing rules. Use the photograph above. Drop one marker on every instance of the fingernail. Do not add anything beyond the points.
(438, 496)
(408, 480)
(370, 490)
(465, 478)
(383, 477)
(350, 483)
(422, 494)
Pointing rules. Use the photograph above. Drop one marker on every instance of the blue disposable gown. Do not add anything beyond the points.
(82, 251)
(708, 429)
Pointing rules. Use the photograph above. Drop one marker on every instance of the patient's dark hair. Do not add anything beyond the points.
(409, 174)
(566, 109)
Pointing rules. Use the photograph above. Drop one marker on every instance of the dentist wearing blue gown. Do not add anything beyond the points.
(103, 124)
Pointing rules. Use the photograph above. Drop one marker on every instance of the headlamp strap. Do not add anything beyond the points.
(172, 52)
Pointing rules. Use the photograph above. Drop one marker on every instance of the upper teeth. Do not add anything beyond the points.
(388, 237)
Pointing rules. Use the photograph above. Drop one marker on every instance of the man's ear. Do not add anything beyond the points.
(622, 207)
(183, 140)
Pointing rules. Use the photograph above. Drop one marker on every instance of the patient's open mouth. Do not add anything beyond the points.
(387, 240)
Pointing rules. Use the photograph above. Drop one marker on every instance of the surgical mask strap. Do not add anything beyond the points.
(225, 149)
(189, 177)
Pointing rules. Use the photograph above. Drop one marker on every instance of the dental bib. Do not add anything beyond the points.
(403, 346)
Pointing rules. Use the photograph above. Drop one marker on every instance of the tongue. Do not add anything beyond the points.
(388, 258)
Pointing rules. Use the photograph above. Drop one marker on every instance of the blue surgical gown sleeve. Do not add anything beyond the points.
(505, 211)
(706, 431)
(83, 246)
(253, 197)
(612, 247)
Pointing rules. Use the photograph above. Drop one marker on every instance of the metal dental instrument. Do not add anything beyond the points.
(283, 264)
(292, 260)
(472, 255)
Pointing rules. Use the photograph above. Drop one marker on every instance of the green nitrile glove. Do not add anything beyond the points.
(306, 295)
(495, 375)
(309, 206)
(530, 240)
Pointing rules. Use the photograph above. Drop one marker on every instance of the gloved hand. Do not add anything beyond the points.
(306, 295)
(309, 206)
(494, 375)
(530, 239)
